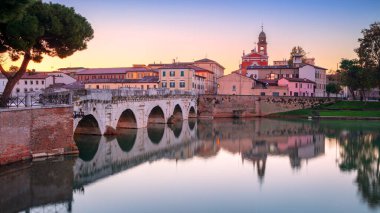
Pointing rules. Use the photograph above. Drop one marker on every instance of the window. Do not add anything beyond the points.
(296, 94)
(296, 85)
(182, 73)
(284, 93)
(97, 86)
(262, 93)
(163, 73)
(154, 86)
(42, 82)
(172, 73)
(276, 94)
(291, 93)
(26, 82)
(164, 84)
(182, 84)
(172, 84)
(17, 90)
(233, 88)
(31, 82)
(142, 86)
(300, 85)
(25, 90)
(147, 86)
(37, 82)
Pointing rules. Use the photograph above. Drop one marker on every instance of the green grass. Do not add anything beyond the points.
(339, 109)
(354, 105)
(349, 113)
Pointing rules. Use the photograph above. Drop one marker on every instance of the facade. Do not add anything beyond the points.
(235, 84)
(257, 57)
(136, 72)
(29, 82)
(298, 87)
(181, 77)
(148, 82)
(208, 79)
(297, 70)
(213, 66)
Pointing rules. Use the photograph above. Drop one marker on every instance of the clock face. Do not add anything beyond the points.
(261, 48)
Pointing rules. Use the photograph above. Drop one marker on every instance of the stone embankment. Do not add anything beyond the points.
(228, 106)
(35, 132)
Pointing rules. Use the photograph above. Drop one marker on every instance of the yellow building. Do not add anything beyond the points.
(181, 77)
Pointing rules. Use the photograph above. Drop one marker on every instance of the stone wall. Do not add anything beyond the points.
(252, 106)
(35, 132)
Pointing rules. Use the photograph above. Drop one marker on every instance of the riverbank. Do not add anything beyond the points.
(339, 110)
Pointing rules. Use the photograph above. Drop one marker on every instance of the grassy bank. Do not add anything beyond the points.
(344, 109)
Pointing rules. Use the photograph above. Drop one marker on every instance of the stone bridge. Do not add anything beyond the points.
(103, 112)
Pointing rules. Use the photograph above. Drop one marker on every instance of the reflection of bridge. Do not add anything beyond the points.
(103, 112)
(132, 147)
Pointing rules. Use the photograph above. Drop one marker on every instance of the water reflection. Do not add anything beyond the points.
(360, 148)
(256, 143)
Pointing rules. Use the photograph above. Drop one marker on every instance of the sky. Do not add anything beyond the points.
(131, 32)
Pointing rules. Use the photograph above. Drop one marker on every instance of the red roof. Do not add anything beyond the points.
(299, 80)
(121, 70)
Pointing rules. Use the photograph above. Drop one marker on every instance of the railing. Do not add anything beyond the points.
(39, 99)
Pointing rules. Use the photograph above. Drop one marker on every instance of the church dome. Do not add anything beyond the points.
(262, 35)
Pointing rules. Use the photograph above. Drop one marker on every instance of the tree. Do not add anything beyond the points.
(369, 50)
(332, 88)
(39, 29)
(296, 50)
(355, 77)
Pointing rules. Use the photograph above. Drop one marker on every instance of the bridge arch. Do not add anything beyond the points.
(156, 116)
(127, 120)
(88, 125)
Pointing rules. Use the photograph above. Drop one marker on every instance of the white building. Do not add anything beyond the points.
(30, 82)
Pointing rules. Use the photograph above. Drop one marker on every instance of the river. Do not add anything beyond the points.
(223, 165)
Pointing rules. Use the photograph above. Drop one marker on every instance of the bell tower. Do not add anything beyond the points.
(262, 44)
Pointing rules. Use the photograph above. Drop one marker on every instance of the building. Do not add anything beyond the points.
(298, 86)
(29, 82)
(181, 77)
(235, 84)
(297, 70)
(135, 72)
(147, 82)
(208, 75)
(71, 71)
(257, 57)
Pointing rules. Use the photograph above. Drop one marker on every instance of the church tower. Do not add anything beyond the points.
(262, 45)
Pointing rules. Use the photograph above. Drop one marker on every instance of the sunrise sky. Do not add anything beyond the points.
(145, 31)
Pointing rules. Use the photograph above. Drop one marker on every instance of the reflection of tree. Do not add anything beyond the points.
(360, 151)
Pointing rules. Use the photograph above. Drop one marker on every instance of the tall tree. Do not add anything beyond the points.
(369, 50)
(39, 29)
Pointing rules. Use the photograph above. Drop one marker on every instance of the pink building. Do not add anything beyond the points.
(298, 86)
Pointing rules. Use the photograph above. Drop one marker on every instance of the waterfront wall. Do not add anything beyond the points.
(252, 106)
(35, 132)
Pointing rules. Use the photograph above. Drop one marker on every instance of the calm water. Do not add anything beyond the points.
(257, 165)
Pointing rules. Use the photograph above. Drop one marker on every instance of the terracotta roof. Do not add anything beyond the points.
(305, 64)
(299, 80)
(271, 67)
(121, 70)
(146, 79)
(199, 69)
(206, 60)
(177, 66)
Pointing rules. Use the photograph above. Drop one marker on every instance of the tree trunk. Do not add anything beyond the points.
(352, 93)
(12, 80)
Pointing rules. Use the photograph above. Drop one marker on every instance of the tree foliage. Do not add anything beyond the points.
(35, 29)
(355, 77)
(369, 49)
(333, 88)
